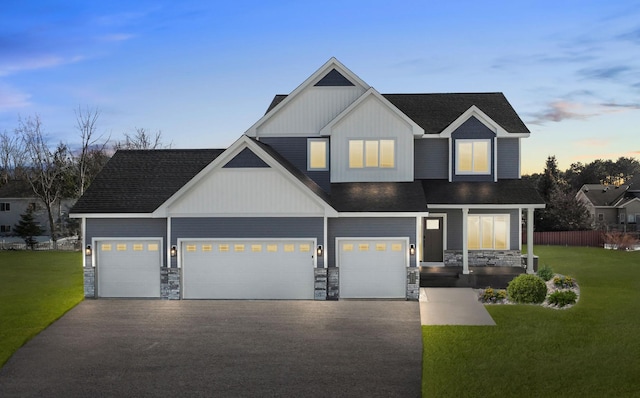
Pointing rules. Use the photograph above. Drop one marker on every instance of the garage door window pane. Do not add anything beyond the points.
(106, 247)
(223, 248)
(191, 248)
(207, 248)
(396, 247)
(238, 248)
(272, 248)
(138, 247)
(304, 248)
(347, 247)
(152, 247)
(289, 248)
(256, 248)
(121, 247)
(381, 247)
(363, 247)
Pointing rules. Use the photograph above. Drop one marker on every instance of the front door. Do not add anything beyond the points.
(433, 239)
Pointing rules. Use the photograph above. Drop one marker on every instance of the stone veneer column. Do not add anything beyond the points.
(170, 283)
(413, 283)
(333, 283)
(89, 282)
(320, 284)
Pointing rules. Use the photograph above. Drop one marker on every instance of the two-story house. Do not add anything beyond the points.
(338, 191)
(613, 207)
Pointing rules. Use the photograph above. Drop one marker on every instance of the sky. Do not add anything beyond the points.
(202, 72)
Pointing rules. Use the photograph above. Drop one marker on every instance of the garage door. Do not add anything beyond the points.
(248, 269)
(372, 268)
(128, 268)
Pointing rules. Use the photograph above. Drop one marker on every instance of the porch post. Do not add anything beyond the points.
(465, 250)
(530, 241)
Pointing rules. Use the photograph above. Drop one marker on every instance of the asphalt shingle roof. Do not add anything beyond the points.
(604, 195)
(16, 189)
(139, 181)
(378, 197)
(503, 192)
(434, 112)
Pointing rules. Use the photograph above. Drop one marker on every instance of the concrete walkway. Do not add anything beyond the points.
(452, 306)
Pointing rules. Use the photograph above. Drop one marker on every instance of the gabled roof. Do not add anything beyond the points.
(502, 192)
(16, 189)
(603, 195)
(138, 181)
(435, 112)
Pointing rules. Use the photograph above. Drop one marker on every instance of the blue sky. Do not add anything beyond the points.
(204, 72)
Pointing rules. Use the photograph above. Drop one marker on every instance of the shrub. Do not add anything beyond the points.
(620, 241)
(490, 295)
(563, 281)
(528, 289)
(546, 273)
(563, 297)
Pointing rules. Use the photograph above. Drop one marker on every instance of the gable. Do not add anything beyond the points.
(334, 78)
(246, 159)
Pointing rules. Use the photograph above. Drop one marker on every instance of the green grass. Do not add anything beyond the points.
(590, 350)
(36, 288)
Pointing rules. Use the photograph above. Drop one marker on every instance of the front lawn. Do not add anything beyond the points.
(592, 349)
(36, 288)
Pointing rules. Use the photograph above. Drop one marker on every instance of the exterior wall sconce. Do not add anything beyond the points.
(319, 251)
(412, 249)
(87, 250)
(174, 251)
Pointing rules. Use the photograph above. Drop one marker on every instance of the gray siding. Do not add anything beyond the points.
(454, 227)
(508, 157)
(471, 129)
(358, 227)
(431, 158)
(294, 149)
(248, 227)
(246, 158)
(128, 228)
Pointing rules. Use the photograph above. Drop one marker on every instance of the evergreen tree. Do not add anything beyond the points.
(27, 228)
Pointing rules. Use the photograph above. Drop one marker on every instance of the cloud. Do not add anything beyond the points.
(593, 143)
(116, 37)
(605, 73)
(633, 36)
(11, 99)
(558, 111)
(19, 64)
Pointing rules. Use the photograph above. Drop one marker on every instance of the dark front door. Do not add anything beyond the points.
(433, 239)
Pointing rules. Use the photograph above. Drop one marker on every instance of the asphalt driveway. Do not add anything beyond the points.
(140, 348)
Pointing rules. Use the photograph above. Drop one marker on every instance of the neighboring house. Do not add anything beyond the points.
(16, 197)
(338, 191)
(613, 207)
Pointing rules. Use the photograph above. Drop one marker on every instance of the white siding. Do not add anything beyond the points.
(229, 192)
(310, 111)
(371, 119)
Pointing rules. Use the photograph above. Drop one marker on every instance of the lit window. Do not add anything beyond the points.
(371, 154)
(473, 156)
(318, 151)
(488, 232)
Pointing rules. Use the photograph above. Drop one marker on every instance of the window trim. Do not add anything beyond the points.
(326, 154)
(5, 206)
(493, 229)
(489, 143)
(365, 163)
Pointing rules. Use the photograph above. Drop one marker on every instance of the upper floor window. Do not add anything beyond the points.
(5, 206)
(488, 232)
(372, 154)
(318, 154)
(473, 156)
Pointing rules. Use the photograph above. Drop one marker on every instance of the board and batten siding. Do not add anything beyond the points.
(295, 150)
(252, 191)
(375, 227)
(431, 160)
(309, 111)
(248, 227)
(454, 227)
(371, 119)
(508, 158)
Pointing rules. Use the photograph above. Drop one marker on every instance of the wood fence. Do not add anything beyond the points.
(567, 238)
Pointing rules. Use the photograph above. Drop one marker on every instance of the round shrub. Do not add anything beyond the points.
(527, 289)
(545, 272)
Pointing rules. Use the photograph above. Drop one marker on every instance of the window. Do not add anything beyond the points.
(317, 151)
(631, 218)
(5, 228)
(622, 218)
(473, 156)
(488, 232)
(372, 154)
(5, 206)
(600, 216)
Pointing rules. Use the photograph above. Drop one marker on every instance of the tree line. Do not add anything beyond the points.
(57, 171)
(558, 188)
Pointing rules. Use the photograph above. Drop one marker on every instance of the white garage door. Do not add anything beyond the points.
(372, 268)
(128, 268)
(248, 269)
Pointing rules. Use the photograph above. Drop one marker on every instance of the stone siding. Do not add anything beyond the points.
(413, 283)
(333, 283)
(320, 284)
(89, 282)
(170, 283)
(484, 258)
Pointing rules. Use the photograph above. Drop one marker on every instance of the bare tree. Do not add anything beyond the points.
(12, 157)
(45, 169)
(86, 124)
(142, 139)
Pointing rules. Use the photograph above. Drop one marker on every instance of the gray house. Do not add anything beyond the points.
(338, 191)
(613, 207)
(16, 197)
